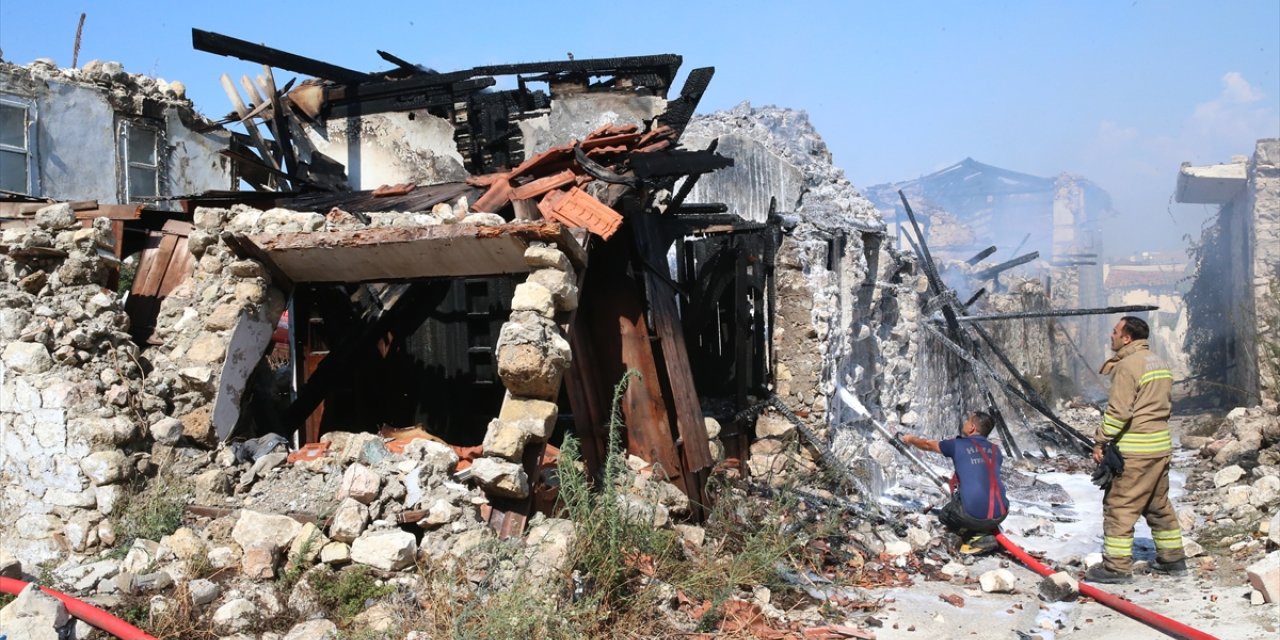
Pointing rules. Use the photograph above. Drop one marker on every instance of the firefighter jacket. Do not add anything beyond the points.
(1140, 403)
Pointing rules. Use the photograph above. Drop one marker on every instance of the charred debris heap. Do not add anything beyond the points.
(450, 323)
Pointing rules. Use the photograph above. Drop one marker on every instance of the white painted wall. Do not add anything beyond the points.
(392, 148)
(76, 146)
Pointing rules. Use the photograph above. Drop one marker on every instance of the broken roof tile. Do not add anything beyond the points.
(497, 197)
(577, 208)
(543, 185)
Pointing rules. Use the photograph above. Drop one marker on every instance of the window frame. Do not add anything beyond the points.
(28, 151)
(124, 128)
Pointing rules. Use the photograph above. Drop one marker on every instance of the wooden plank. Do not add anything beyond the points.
(179, 268)
(621, 338)
(243, 49)
(583, 384)
(694, 445)
(151, 270)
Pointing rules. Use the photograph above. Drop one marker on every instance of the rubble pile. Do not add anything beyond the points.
(71, 389)
(122, 87)
(1232, 500)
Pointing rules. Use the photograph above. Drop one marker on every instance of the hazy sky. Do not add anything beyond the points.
(1118, 92)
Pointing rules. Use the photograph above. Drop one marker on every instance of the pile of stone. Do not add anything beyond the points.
(1233, 496)
(110, 75)
(71, 388)
(348, 508)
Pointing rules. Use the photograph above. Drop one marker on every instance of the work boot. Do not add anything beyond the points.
(979, 545)
(1175, 568)
(1103, 574)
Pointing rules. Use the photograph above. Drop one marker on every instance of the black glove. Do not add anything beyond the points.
(1110, 468)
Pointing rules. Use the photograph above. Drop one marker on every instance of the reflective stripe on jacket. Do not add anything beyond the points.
(1141, 398)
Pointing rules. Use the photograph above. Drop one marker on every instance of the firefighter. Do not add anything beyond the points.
(1134, 443)
(978, 504)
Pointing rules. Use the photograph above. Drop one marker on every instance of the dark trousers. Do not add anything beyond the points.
(953, 517)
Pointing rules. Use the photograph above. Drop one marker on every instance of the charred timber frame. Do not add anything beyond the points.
(956, 335)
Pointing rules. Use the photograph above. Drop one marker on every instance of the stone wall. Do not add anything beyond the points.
(1264, 190)
(1233, 338)
(71, 389)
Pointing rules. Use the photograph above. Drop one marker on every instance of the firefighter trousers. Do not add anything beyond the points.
(1141, 490)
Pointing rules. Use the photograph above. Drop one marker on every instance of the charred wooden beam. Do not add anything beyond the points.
(982, 255)
(930, 268)
(987, 274)
(677, 163)
(1084, 442)
(687, 186)
(974, 298)
(1059, 313)
(680, 111)
(222, 45)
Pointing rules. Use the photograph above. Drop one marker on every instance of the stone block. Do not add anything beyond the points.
(539, 414)
(1266, 490)
(10, 567)
(501, 477)
(259, 561)
(505, 440)
(34, 615)
(235, 616)
(437, 457)
(532, 356)
(1237, 496)
(562, 285)
(1264, 576)
(335, 553)
(531, 296)
(349, 521)
(105, 467)
(203, 591)
(360, 483)
(548, 546)
(305, 548)
(27, 357)
(998, 581)
(272, 531)
(56, 217)
(184, 543)
(1227, 475)
(387, 550)
(167, 430)
(540, 257)
(313, 630)
(773, 425)
(1059, 587)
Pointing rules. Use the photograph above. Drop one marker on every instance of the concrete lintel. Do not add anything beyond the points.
(391, 253)
(1211, 184)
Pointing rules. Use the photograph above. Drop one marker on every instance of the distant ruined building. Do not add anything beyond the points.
(970, 208)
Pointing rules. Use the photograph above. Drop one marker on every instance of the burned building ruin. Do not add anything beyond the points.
(1232, 343)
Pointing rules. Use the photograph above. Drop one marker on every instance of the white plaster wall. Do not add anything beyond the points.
(77, 151)
(195, 163)
(392, 148)
(76, 144)
(573, 116)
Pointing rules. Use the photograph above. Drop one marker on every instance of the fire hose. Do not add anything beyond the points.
(1165, 625)
(84, 611)
(1168, 626)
